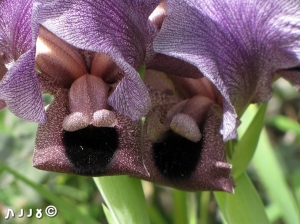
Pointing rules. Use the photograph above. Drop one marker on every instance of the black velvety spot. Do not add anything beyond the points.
(91, 149)
(176, 157)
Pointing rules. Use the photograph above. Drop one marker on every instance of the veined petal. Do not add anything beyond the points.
(15, 28)
(117, 28)
(172, 65)
(237, 45)
(20, 90)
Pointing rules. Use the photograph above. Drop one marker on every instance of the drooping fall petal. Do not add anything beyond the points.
(237, 45)
(92, 151)
(172, 151)
(119, 29)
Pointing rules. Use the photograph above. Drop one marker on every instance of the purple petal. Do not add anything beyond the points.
(237, 45)
(15, 28)
(174, 66)
(21, 92)
(117, 28)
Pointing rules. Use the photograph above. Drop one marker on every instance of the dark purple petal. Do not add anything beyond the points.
(117, 28)
(174, 66)
(20, 90)
(15, 28)
(237, 45)
(87, 152)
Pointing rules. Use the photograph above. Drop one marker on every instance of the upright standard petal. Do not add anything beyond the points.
(15, 28)
(19, 88)
(117, 28)
(237, 45)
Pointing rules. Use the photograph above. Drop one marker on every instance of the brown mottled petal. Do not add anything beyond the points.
(51, 153)
(201, 167)
(56, 58)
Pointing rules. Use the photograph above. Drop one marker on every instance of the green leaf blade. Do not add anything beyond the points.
(244, 206)
(245, 148)
(124, 198)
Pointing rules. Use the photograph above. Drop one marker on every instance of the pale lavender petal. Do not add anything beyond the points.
(21, 92)
(237, 45)
(117, 28)
(15, 28)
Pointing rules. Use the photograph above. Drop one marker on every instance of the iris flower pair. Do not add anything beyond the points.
(205, 62)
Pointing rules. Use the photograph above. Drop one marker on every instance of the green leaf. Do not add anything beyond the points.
(285, 124)
(62, 206)
(244, 206)
(271, 175)
(124, 198)
(245, 147)
(108, 215)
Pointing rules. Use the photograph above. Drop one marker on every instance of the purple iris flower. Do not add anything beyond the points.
(85, 134)
(239, 46)
(86, 53)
